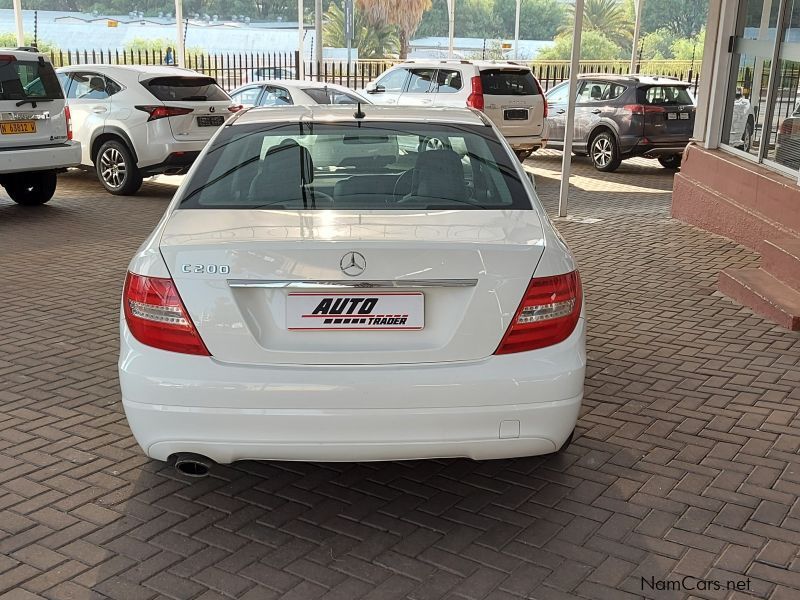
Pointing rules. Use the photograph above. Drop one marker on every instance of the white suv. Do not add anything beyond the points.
(136, 121)
(507, 92)
(35, 136)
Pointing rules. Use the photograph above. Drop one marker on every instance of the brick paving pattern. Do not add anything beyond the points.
(685, 463)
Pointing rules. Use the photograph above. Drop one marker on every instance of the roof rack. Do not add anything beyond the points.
(28, 48)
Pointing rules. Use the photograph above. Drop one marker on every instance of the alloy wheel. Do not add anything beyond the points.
(602, 152)
(112, 167)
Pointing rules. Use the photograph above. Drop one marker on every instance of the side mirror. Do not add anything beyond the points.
(532, 178)
(374, 88)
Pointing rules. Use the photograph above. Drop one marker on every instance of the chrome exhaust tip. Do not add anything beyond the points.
(192, 465)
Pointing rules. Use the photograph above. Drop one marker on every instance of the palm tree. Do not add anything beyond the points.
(608, 17)
(372, 41)
(406, 14)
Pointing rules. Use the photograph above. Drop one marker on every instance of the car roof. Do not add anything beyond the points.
(346, 113)
(480, 64)
(643, 79)
(297, 83)
(146, 69)
(25, 53)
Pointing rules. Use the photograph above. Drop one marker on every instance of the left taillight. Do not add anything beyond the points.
(68, 118)
(162, 112)
(157, 317)
(547, 315)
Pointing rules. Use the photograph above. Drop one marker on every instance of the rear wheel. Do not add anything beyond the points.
(604, 152)
(673, 161)
(31, 189)
(117, 170)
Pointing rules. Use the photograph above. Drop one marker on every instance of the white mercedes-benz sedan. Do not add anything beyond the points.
(331, 285)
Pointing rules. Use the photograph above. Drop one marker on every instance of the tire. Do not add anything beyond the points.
(31, 189)
(523, 154)
(671, 162)
(747, 136)
(117, 170)
(604, 152)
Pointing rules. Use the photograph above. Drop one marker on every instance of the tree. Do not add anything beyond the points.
(594, 46)
(608, 17)
(474, 18)
(372, 41)
(406, 14)
(684, 18)
(9, 40)
(538, 19)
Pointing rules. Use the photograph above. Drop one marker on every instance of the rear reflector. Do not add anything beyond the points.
(68, 119)
(475, 99)
(157, 317)
(159, 112)
(547, 315)
(640, 109)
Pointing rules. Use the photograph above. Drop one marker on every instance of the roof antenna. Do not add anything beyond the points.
(359, 114)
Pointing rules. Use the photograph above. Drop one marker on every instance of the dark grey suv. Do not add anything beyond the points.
(620, 116)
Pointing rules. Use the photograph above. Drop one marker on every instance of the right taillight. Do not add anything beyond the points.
(160, 111)
(475, 99)
(157, 317)
(68, 119)
(547, 315)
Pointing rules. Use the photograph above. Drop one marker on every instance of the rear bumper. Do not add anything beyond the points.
(531, 142)
(498, 407)
(44, 158)
(658, 150)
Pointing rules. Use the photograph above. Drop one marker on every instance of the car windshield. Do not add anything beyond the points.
(185, 88)
(28, 80)
(356, 166)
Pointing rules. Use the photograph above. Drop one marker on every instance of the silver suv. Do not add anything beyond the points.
(507, 92)
(35, 131)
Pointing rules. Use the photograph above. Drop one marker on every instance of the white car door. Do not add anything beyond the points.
(389, 86)
(89, 104)
(450, 88)
(421, 89)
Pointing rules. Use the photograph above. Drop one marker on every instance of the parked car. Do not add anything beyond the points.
(787, 143)
(35, 133)
(413, 308)
(507, 92)
(137, 121)
(288, 92)
(620, 116)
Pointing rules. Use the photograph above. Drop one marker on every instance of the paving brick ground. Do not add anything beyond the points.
(686, 462)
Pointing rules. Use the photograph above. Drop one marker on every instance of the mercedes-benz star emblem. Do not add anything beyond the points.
(353, 263)
(211, 109)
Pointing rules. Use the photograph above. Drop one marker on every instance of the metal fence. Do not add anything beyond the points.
(234, 69)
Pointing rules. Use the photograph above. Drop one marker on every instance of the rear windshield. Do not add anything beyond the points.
(504, 82)
(28, 80)
(356, 166)
(664, 95)
(185, 88)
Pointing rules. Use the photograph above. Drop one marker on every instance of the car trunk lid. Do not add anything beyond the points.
(252, 280)
(31, 103)
(513, 101)
(202, 106)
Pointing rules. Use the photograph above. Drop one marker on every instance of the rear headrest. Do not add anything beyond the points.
(439, 174)
(289, 161)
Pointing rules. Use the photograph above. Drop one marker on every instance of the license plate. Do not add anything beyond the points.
(515, 114)
(672, 116)
(18, 127)
(355, 311)
(214, 121)
(684, 116)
